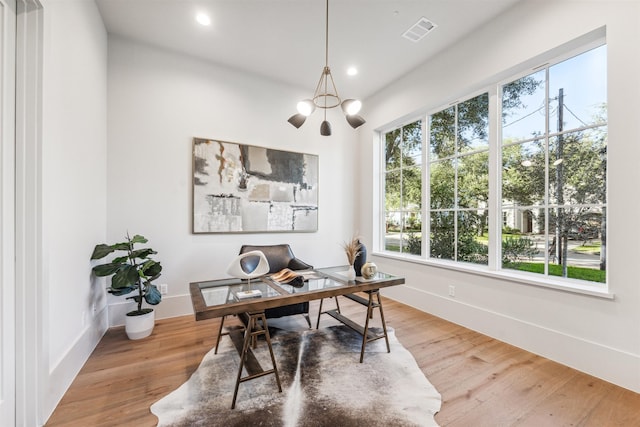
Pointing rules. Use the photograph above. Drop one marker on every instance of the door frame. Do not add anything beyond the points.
(30, 310)
(7, 211)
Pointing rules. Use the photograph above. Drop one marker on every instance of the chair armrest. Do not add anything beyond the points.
(296, 264)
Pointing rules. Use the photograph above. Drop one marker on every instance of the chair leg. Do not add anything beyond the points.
(308, 319)
(319, 314)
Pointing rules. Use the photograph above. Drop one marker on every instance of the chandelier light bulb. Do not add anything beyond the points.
(351, 106)
(306, 107)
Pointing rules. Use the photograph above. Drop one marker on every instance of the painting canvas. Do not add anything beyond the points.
(240, 188)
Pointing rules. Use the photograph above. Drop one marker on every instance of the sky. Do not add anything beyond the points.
(583, 79)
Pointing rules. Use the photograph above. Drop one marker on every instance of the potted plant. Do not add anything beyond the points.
(132, 272)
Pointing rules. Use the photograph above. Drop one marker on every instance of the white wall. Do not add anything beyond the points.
(158, 101)
(595, 335)
(74, 139)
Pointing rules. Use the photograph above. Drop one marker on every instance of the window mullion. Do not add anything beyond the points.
(456, 163)
(546, 173)
(425, 212)
(495, 179)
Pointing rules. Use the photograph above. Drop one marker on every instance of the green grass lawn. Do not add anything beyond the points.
(580, 273)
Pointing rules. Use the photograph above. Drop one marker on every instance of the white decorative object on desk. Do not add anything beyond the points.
(237, 269)
(241, 270)
(369, 270)
(351, 273)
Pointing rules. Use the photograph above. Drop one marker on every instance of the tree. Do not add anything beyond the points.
(403, 181)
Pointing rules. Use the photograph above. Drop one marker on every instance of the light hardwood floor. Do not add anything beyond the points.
(483, 382)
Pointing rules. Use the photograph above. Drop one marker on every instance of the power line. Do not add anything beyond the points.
(574, 115)
(524, 117)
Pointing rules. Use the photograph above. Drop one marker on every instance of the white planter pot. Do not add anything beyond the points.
(138, 327)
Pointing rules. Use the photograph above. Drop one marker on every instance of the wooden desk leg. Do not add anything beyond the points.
(366, 325)
(251, 331)
(219, 334)
(370, 308)
(273, 358)
(320, 312)
(384, 324)
(245, 346)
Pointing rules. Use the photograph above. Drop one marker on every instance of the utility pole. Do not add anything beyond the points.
(561, 235)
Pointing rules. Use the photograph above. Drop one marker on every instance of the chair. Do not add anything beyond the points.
(279, 256)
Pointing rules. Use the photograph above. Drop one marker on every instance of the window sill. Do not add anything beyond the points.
(576, 287)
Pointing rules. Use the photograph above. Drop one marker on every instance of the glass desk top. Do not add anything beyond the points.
(214, 298)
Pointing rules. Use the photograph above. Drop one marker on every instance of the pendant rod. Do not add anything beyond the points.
(326, 32)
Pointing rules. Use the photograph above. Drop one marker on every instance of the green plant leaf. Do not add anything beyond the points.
(139, 312)
(152, 295)
(142, 253)
(122, 246)
(127, 276)
(120, 260)
(106, 269)
(101, 251)
(121, 291)
(138, 239)
(151, 268)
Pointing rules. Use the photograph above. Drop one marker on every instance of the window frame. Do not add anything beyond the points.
(494, 268)
(457, 155)
(381, 242)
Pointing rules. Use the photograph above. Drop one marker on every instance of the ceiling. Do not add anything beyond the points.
(284, 40)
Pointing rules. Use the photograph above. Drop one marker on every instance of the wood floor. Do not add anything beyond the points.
(483, 382)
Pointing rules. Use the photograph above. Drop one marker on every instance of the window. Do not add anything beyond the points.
(550, 166)
(459, 181)
(554, 158)
(403, 189)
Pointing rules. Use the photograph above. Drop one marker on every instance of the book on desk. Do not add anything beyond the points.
(295, 278)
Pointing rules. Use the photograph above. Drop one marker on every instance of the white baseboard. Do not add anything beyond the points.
(62, 375)
(173, 306)
(620, 368)
(610, 364)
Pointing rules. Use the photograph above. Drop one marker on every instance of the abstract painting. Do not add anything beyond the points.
(240, 188)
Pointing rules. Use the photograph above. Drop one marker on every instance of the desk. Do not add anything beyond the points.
(218, 298)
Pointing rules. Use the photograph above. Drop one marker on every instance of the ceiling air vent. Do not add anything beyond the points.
(419, 30)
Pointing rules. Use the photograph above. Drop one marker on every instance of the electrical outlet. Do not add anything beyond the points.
(164, 289)
(452, 291)
(94, 308)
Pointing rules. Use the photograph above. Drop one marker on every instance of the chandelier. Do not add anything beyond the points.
(326, 97)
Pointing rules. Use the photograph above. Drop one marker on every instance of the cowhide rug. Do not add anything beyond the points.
(323, 384)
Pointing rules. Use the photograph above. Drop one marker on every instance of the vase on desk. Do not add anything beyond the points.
(351, 273)
(361, 258)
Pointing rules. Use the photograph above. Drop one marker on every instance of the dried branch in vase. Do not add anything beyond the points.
(352, 249)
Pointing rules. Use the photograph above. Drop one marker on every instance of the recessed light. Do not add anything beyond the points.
(203, 19)
(352, 71)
